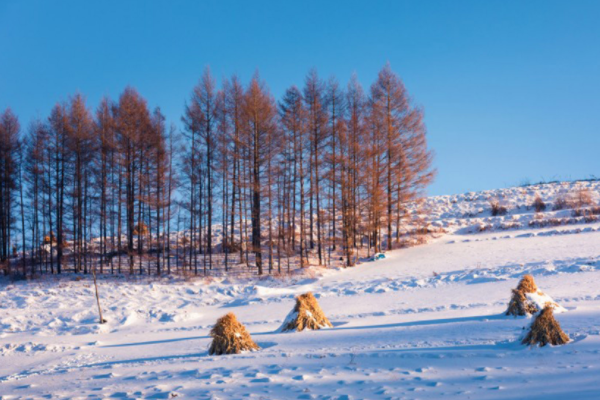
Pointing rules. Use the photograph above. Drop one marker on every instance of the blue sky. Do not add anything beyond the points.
(511, 89)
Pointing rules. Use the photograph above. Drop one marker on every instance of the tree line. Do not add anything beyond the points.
(319, 176)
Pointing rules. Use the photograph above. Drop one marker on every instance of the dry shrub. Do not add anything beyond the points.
(411, 241)
(586, 212)
(497, 208)
(519, 305)
(582, 198)
(425, 229)
(577, 199)
(231, 246)
(538, 217)
(545, 329)
(48, 239)
(5, 267)
(188, 273)
(538, 204)
(309, 272)
(140, 229)
(422, 239)
(510, 225)
(560, 203)
(230, 337)
(484, 227)
(307, 314)
(541, 223)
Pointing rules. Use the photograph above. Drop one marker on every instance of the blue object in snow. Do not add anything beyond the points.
(378, 256)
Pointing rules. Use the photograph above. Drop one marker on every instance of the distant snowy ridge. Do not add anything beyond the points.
(472, 212)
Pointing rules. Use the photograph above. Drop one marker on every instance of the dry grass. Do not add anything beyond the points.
(527, 284)
(542, 222)
(230, 337)
(519, 305)
(412, 241)
(579, 198)
(510, 225)
(497, 208)
(545, 329)
(586, 212)
(307, 314)
(485, 227)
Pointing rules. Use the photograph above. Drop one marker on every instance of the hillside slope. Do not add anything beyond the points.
(426, 322)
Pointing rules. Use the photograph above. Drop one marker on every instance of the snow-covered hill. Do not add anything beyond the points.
(565, 203)
(427, 322)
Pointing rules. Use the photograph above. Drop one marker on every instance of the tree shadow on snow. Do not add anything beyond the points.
(504, 346)
(147, 359)
(266, 345)
(31, 372)
(478, 318)
(338, 323)
(155, 342)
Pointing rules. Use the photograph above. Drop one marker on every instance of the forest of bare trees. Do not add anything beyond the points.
(250, 184)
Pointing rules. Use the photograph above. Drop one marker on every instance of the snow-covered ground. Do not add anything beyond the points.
(426, 322)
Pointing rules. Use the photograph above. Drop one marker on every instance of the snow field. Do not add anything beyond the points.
(425, 323)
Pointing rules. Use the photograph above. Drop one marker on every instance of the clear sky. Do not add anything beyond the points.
(511, 89)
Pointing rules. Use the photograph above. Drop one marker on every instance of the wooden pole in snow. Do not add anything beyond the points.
(102, 320)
